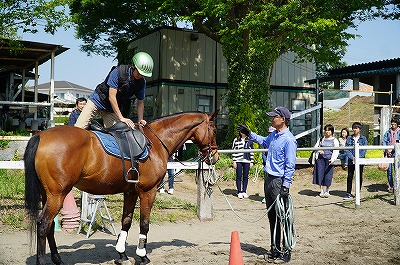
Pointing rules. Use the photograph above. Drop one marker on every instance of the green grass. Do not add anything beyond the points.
(12, 187)
(370, 172)
(11, 183)
(369, 154)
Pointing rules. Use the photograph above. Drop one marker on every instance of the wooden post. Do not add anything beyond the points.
(204, 198)
(396, 177)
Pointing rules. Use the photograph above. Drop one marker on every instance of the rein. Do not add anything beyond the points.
(209, 147)
(155, 134)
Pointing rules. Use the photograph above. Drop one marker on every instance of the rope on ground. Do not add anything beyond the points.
(234, 211)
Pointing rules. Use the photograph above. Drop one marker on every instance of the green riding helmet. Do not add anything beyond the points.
(144, 63)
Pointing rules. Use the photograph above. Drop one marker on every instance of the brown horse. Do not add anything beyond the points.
(63, 157)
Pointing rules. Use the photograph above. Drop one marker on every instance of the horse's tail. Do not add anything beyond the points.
(32, 183)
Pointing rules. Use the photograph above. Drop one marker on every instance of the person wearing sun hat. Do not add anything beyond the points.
(279, 169)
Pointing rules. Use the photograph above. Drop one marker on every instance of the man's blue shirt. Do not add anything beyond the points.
(113, 83)
(73, 117)
(281, 156)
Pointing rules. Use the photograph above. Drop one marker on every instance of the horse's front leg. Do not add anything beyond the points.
(146, 204)
(130, 199)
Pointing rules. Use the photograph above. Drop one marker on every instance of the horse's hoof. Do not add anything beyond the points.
(144, 260)
(123, 262)
(123, 259)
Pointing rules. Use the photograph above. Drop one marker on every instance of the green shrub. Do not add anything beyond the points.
(225, 161)
(63, 120)
(4, 143)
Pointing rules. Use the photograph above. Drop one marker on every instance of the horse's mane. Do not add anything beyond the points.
(176, 114)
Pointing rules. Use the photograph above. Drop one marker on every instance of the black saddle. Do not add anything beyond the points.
(132, 143)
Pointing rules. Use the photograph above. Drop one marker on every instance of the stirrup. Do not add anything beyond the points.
(131, 180)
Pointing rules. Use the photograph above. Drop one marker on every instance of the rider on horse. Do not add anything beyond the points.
(121, 83)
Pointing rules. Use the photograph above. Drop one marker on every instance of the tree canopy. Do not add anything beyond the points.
(253, 34)
(30, 15)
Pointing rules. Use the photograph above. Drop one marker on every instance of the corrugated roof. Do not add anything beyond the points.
(384, 67)
(25, 58)
(61, 84)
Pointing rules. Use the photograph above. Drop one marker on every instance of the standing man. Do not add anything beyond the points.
(357, 137)
(279, 169)
(391, 137)
(73, 117)
(121, 83)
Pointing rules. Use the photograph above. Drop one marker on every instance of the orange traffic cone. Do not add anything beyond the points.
(70, 216)
(235, 254)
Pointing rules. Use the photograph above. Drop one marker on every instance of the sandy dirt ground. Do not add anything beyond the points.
(329, 230)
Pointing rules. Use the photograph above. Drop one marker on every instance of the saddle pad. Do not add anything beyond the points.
(111, 147)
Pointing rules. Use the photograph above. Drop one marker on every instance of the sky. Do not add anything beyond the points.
(380, 40)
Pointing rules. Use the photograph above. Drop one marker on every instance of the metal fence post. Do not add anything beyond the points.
(396, 178)
(357, 173)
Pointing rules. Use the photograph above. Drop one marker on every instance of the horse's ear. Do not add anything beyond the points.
(214, 115)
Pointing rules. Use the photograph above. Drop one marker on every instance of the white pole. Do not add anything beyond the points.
(357, 173)
(396, 178)
(51, 122)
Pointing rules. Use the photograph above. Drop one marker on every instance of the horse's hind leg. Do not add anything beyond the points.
(45, 229)
(55, 257)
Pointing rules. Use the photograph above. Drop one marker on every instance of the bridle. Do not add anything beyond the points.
(208, 148)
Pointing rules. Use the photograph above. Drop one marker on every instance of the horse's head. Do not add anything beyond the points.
(206, 139)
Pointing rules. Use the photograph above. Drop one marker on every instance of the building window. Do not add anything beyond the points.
(204, 103)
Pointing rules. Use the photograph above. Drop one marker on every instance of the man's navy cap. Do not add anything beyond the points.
(281, 111)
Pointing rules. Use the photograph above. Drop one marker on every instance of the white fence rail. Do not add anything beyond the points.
(357, 161)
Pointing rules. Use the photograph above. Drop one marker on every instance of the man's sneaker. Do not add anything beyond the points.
(322, 194)
(327, 194)
(283, 258)
(348, 196)
(244, 195)
(171, 191)
(271, 255)
(161, 190)
(240, 195)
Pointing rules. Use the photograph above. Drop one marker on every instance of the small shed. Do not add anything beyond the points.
(191, 74)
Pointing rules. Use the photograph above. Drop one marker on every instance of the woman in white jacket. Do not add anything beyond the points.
(323, 167)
